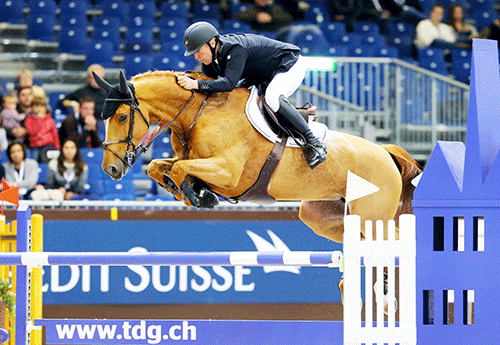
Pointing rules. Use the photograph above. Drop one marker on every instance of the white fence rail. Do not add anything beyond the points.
(381, 254)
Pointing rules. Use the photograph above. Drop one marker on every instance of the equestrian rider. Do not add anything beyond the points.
(247, 59)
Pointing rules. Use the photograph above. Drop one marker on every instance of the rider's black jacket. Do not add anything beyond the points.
(249, 58)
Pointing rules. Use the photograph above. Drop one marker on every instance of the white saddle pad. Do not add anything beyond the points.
(257, 120)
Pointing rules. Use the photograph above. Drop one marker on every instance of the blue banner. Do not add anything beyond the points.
(213, 332)
(181, 284)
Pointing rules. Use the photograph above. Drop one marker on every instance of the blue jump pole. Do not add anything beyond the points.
(23, 300)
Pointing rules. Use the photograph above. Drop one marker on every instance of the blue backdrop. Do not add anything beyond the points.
(180, 285)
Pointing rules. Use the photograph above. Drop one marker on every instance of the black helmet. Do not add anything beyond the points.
(196, 35)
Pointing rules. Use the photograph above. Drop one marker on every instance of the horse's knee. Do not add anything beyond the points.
(323, 218)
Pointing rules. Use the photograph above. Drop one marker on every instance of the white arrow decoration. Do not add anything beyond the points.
(357, 187)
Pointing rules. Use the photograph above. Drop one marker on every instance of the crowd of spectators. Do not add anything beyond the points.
(30, 138)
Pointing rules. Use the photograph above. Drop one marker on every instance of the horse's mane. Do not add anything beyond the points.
(151, 74)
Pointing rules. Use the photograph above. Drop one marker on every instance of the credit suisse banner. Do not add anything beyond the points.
(180, 284)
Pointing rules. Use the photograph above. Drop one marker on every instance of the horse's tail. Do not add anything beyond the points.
(409, 169)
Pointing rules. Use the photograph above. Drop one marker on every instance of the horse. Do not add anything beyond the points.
(215, 143)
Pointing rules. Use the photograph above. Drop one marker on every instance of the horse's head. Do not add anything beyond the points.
(126, 123)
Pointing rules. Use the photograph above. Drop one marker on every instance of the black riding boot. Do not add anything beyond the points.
(314, 151)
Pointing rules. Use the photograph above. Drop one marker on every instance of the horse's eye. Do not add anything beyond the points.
(122, 118)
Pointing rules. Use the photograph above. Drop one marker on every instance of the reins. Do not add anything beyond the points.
(133, 152)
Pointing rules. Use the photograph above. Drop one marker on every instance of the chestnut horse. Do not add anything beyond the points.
(214, 142)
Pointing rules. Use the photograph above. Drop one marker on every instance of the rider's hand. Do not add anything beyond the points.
(187, 82)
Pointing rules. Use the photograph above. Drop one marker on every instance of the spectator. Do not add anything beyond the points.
(265, 16)
(11, 120)
(297, 8)
(21, 171)
(91, 89)
(351, 11)
(24, 79)
(42, 131)
(433, 32)
(24, 99)
(81, 126)
(409, 11)
(492, 31)
(464, 31)
(66, 175)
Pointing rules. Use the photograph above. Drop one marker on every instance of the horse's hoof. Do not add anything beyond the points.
(170, 185)
(208, 199)
(190, 194)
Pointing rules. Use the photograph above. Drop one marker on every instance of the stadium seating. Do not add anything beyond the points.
(100, 52)
(41, 27)
(11, 11)
(176, 10)
(432, 59)
(73, 40)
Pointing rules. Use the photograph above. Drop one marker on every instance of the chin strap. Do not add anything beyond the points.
(213, 49)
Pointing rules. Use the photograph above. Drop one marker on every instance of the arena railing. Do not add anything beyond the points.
(388, 100)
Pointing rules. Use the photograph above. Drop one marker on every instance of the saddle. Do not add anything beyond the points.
(258, 192)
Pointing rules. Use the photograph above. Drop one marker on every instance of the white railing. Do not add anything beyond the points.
(381, 254)
(388, 100)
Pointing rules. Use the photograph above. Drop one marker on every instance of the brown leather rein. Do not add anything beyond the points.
(133, 152)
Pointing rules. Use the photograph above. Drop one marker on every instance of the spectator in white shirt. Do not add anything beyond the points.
(433, 32)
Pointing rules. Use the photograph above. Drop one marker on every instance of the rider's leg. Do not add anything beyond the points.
(282, 86)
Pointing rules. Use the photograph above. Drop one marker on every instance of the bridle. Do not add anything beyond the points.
(133, 152)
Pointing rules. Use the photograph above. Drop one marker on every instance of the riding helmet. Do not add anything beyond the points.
(196, 35)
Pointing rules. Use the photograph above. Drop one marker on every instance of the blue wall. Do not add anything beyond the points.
(180, 285)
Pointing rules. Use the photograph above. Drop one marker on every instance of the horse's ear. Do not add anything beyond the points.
(103, 84)
(123, 84)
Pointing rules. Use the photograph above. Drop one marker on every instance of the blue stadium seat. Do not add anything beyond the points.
(174, 36)
(333, 31)
(42, 175)
(390, 52)
(92, 155)
(427, 5)
(160, 197)
(404, 45)
(74, 7)
(100, 52)
(400, 28)
(338, 50)
(71, 20)
(123, 187)
(95, 171)
(140, 22)
(203, 11)
(55, 97)
(366, 28)
(118, 197)
(41, 27)
(316, 13)
(142, 8)
(135, 64)
(433, 60)
(115, 8)
(176, 24)
(138, 48)
(484, 5)
(174, 48)
(234, 26)
(461, 64)
(362, 51)
(42, 7)
(163, 143)
(372, 40)
(484, 18)
(11, 11)
(176, 9)
(108, 29)
(139, 34)
(94, 189)
(73, 40)
(351, 39)
(311, 42)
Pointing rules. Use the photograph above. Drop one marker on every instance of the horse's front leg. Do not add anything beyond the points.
(158, 170)
(215, 171)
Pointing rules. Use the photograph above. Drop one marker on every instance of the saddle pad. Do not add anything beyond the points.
(257, 120)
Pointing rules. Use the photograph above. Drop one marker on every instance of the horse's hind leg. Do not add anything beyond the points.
(324, 217)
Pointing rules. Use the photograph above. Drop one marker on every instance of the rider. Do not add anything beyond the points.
(247, 59)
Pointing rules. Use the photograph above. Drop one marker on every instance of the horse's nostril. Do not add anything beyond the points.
(113, 170)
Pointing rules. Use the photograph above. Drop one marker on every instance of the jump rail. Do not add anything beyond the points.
(223, 332)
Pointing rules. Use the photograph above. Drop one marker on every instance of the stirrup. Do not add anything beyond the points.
(314, 154)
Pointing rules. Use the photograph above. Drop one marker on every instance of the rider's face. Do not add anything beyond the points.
(204, 55)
